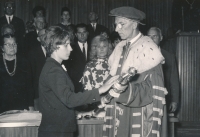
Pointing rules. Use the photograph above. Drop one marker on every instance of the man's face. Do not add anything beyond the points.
(39, 23)
(65, 15)
(82, 35)
(92, 16)
(155, 36)
(124, 27)
(9, 9)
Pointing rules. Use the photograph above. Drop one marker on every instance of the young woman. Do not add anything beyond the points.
(56, 91)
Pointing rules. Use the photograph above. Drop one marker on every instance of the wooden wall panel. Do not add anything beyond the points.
(186, 48)
(158, 13)
(79, 8)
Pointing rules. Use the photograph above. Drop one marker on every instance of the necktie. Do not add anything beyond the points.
(84, 51)
(9, 20)
(93, 25)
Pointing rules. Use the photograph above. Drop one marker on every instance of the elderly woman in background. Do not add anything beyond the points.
(38, 11)
(15, 93)
(57, 98)
(96, 71)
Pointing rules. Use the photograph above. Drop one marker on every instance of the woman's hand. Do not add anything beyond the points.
(106, 86)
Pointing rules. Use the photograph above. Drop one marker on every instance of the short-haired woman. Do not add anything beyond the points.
(56, 91)
(15, 92)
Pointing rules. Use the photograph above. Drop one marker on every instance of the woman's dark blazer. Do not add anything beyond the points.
(57, 99)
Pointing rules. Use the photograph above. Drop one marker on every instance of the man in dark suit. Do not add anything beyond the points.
(31, 37)
(94, 28)
(169, 69)
(79, 56)
(9, 18)
(37, 58)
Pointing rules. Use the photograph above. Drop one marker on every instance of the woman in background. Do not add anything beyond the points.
(96, 71)
(57, 98)
(15, 92)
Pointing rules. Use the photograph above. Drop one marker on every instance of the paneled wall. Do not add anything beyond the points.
(158, 11)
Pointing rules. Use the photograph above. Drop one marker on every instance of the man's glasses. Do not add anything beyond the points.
(11, 45)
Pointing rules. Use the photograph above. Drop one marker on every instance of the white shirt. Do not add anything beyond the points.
(94, 25)
(7, 18)
(135, 38)
(81, 47)
(44, 50)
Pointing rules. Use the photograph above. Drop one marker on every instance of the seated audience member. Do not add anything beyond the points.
(8, 29)
(66, 22)
(10, 18)
(37, 58)
(31, 40)
(115, 38)
(170, 71)
(79, 56)
(16, 93)
(94, 28)
(38, 11)
(56, 90)
(96, 71)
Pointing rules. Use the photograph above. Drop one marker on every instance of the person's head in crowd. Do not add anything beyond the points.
(93, 17)
(39, 11)
(8, 29)
(39, 23)
(81, 32)
(127, 20)
(8, 45)
(41, 35)
(100, 47)
(65, 14)
(9, 7)
(115, 38)
(155, 34)
(57, 43)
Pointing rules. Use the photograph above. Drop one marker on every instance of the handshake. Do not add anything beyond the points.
(120, 86)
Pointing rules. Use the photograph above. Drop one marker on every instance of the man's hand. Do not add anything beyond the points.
(106, 86)
(173, 107)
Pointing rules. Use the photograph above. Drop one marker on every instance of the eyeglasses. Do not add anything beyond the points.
(11, 45)
(9, 8)
(119, 26)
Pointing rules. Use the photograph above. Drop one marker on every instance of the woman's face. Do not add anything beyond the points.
(102, 50)
(39, 13)
(10, 46)
(64, 50)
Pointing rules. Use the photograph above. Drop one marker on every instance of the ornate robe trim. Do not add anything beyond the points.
(157, 119)
(109, 106)
(137, 114)
(107, 117)
(156, 132)
(136, 135)
(161, 88)
(160, 111)
(117, 122)
(106, 126)
(136, 126)
(160, 98)
(120, 110)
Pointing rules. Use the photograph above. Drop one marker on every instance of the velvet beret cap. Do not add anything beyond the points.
(129, 13)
